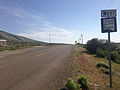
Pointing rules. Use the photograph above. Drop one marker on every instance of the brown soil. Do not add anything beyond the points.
(86, 65)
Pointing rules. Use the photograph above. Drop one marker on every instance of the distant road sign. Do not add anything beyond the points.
(108, 25)
(108, 13)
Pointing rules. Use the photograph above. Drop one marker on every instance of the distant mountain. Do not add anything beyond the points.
(11, 38)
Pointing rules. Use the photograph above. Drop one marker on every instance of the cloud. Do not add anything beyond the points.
(38, 27)
(58, 35)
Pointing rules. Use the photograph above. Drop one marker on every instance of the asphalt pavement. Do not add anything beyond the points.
(28, 70)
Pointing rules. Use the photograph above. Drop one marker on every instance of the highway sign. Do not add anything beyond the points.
(108, 25)
(108, 13)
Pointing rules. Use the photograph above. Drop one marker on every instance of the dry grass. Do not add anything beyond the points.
(85, 64)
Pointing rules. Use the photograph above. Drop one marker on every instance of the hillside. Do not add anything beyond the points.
(13, 39)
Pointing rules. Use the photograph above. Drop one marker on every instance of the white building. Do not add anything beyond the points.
(3, 42)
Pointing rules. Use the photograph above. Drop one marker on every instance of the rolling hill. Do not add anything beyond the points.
(15, 39)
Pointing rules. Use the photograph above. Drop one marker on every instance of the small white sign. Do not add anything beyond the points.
(108, 13)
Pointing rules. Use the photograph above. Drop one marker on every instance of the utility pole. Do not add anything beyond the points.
(79, 40)
(82, 38)
(49, 39)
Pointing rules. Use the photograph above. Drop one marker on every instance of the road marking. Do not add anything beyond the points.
(39, 54)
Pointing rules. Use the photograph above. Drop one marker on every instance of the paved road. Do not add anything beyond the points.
(27, 70)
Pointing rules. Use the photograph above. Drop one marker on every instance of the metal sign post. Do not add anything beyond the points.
(109, 45)
(108, 24)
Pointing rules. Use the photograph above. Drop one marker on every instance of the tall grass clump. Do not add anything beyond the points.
(106, 71)
(83, 81)
(100, 64)
(104, 68)
(71, 85)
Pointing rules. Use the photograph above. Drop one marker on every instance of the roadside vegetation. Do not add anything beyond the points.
(95, 68)
(81, 83)
(100, 48)
(101, 64)
(13, 47)
(103, 67)
(22, 45)
(91, 67)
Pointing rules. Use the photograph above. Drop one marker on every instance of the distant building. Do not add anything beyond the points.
(3, 42)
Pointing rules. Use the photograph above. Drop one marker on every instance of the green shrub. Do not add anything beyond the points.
(83, 81)
(92, 45)
(100, 53)
(100, 64)
(78, 86)
(117, 61)
(71, 85)
(115, 56)
(104, 71)
(118, 49)
(106, 53)
(95, 43)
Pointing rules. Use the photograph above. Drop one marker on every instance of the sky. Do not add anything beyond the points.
(62, 20)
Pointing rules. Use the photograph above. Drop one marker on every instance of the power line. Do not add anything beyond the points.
(108, 5)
